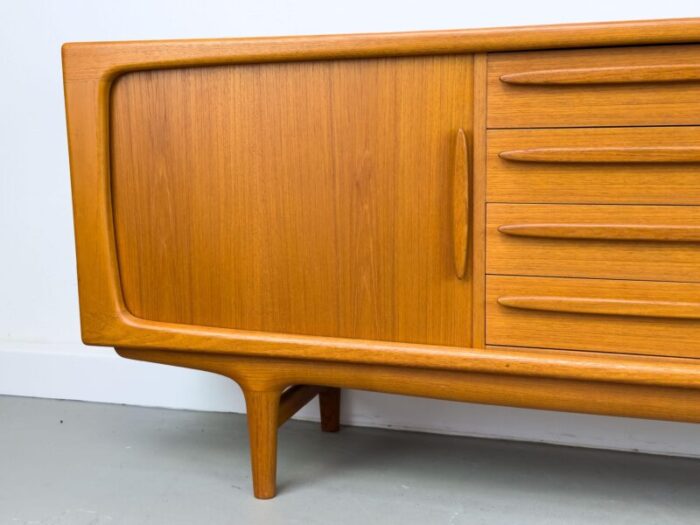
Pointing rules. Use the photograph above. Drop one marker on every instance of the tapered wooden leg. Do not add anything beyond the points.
(263, 413)
(329, 401)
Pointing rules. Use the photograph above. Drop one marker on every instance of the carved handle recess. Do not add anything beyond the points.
(605, 75)
(460, 204)
(599, 306)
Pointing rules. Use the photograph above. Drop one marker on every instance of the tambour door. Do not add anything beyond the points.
(310, 198)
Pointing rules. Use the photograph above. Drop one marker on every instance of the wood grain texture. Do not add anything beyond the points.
(632, 393)
(314, 199)
(89, 70)
(605, 232)
(529, 105)
(478, 206)
(600, 241)
(105, 320)
(598, 306)
(294, 399)
(366, 122)
(90, 60)
(606, 155)
(262, 408)
(658, 182)
(567, 318)
(606, 75)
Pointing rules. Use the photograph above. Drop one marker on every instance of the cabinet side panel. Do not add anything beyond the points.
(303, 198)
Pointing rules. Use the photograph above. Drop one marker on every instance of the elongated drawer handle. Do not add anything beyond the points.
(460, 204)
(605, 75)
(584, 305)
(612, 232)
(670, 154)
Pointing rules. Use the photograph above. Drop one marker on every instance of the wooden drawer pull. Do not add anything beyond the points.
(622, 232)
(584, 305)
(605, 75)
(670, 154)
(460, 204)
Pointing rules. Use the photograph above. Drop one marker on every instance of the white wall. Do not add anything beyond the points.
(40, 351)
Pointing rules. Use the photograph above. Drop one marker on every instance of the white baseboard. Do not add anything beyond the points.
(73, 371)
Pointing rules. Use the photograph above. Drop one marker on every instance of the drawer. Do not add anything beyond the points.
(614, 242)
(642, 86)
(597, 166)
(635, 317)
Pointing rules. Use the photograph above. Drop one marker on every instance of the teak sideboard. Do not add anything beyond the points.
(502, 216)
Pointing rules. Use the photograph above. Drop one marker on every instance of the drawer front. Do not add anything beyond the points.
(636, 317)
(597, 166)
(614, 242)
(643, 86)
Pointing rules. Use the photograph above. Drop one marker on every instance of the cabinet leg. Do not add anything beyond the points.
(263, 411)
(329, 401)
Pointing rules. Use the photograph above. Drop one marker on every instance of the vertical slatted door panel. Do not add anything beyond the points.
(307, 198)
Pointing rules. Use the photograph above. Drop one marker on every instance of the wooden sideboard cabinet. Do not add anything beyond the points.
(502, 216)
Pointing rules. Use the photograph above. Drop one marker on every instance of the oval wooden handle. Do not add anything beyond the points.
(605, 75)
(460, 204)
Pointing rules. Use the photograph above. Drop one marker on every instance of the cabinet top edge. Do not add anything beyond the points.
(106, 60)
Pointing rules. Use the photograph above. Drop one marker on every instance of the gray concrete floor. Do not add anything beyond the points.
(76, 463)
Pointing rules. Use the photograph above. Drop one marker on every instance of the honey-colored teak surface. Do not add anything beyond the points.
(640, 317)
(655, 243)
(307, 214)
(642, 86)
(643, 165)
(315, 185)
